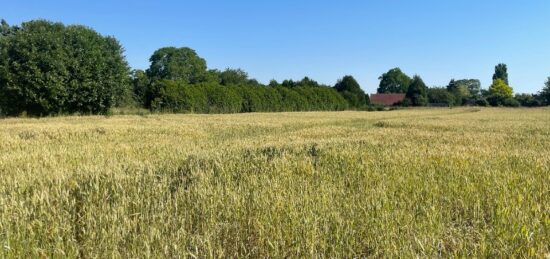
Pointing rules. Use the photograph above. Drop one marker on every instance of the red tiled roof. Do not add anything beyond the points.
(386, 99)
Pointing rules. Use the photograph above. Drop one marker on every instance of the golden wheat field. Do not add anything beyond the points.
(468, 182)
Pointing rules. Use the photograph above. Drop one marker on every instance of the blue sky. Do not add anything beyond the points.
(325, 40)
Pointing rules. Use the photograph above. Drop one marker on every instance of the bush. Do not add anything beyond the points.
(510, 102)
(439, 96)
(376, 107)
(482, 102)
(528, 100)
(405, 103)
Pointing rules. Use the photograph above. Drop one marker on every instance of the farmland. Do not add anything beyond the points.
(414, 182)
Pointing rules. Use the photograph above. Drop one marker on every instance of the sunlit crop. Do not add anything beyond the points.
(463, 182)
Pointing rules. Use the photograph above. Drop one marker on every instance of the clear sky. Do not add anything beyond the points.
(326, 39)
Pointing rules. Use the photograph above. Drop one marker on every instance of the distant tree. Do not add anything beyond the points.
(511, 102)
(141, 87)
(499, 91)
(254, 82)
(273, 83)
(4, 28)
(417, 92)
(307, 82)
(49, 68)
(172, 63)
(233, 77)
(545, 93)
(459, 90)
(473, 85)
(528, 100)
(212, 76)
(440, 96)
(465, 91)
(499, 87)
(394, 81)
(288, 83)
(351, 91)
(482, 101)
(501, 72)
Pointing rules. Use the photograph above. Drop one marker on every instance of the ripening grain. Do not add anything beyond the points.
(429, 182)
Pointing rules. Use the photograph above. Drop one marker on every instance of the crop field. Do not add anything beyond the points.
(471, 182)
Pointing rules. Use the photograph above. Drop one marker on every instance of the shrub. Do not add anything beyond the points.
(482, 102)
(376, 107)
(528, 100)
(510, 102)
(440, 96)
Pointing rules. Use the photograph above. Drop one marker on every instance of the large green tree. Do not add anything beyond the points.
(49, 68)
(417, 92)
(394, 81)
(351, 91)
(501, 72)
(182, 64)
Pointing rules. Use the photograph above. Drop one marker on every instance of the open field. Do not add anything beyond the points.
(426, 182)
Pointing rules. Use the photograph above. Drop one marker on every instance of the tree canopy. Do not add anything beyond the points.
(49, 68)
(5, 28)
(141, 83)
(171, 63)
(394, 81)
(501, 72)
(417, 92)
(500, 88)
(460, 90)
(352, 92)
(499, 92)
(440, 96)
(233, 77)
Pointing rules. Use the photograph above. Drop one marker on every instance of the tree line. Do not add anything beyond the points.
(178, 81)
(461, 92)
(48, 68)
